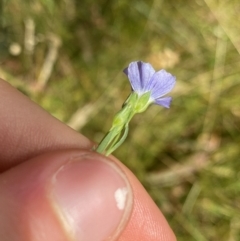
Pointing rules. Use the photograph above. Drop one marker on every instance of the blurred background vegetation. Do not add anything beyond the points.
(68, 56)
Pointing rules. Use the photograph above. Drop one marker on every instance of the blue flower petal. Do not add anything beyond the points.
(139, 74)
(161, 83)
(165, 101)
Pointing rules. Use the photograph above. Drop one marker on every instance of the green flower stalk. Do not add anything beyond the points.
(148, 87)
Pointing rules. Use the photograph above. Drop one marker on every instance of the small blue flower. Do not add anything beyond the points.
(143, 79)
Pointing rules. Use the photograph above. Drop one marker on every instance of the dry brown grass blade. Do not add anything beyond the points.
(29, 38)
(82, 115)
(47, 68)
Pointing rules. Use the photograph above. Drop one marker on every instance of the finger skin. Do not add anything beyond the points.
(27, 131)
(147, 223)
(37, 196)
(26, 214)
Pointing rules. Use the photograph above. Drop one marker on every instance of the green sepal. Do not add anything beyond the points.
(116, 145)
(126, 113)
(143, 102)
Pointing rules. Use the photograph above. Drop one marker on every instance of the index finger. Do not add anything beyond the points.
(27, 130)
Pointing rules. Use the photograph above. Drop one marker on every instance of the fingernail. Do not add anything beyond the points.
(92, 198)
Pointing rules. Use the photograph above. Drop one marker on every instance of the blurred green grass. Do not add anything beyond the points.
(68, 56)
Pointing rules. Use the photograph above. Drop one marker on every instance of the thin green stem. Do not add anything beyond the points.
(114, 147)
(105, 142)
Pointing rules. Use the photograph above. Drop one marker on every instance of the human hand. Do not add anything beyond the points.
(53, 187)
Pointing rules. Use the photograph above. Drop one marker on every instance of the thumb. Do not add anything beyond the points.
(64, 195)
